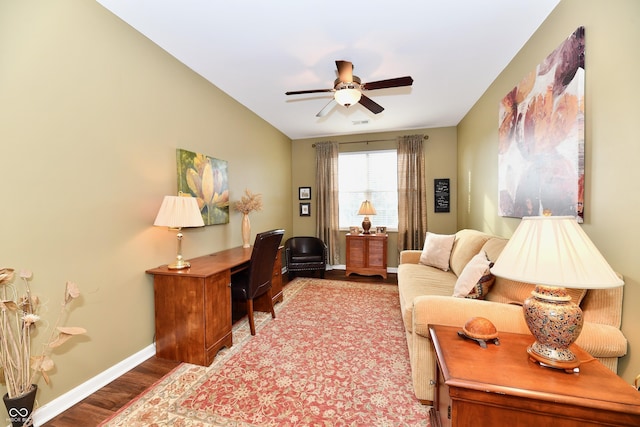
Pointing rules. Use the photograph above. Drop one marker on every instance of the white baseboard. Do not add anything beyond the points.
(67, 400)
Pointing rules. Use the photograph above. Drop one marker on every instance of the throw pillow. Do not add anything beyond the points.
(437, 250)
(476, 278)
(483, 286)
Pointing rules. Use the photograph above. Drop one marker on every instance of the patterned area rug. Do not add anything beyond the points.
(335, 355)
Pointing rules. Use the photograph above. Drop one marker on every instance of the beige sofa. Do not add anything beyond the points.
(426, 299)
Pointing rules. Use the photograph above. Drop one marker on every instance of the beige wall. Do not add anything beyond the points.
(91, 114)
(440, 162)
(612, 148)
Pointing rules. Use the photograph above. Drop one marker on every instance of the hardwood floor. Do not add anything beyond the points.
(109, 399)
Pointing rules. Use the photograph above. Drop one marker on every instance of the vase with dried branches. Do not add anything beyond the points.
(248, 203)
(18, 323)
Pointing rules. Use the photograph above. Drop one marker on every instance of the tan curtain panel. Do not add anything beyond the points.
(327, 225)
(412, 193)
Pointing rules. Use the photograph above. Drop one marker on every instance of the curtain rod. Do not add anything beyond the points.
(368, 141)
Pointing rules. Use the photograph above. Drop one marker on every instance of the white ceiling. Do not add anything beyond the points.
(256, 50)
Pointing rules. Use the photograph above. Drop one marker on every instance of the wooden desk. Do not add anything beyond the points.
(500, 386)
(193, 305)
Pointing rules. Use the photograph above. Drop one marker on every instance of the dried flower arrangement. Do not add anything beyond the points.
(249, 202)
(18, 321)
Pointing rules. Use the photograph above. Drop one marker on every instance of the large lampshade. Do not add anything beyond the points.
(554, 253)
(366, 208)
(178, 212)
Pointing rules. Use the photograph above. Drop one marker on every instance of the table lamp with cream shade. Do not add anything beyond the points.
(366, 209)
(554, 253)
(177, 212)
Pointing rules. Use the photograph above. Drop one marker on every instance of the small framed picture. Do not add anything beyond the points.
(305, 209)
(381, 230)
(304, 193)
(354, 230)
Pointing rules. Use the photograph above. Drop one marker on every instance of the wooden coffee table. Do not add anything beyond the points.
(501, 386)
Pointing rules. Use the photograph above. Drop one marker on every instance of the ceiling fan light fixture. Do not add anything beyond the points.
(347, 96)
(347, 89)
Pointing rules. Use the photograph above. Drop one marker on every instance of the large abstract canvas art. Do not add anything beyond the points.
(541, 137)
(205, 178)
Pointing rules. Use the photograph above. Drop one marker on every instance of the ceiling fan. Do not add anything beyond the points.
(347, 89)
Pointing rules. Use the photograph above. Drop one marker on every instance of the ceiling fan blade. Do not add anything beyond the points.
(302, 92)
(345, 71)
(384, 84)
(326, 108)
(371, 105)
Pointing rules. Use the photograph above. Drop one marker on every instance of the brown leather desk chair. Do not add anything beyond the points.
(255, 281)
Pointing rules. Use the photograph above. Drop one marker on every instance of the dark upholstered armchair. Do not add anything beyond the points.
(304, 254)
(255, 281)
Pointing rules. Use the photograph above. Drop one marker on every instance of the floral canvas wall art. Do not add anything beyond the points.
(206, 179)
(541, 137)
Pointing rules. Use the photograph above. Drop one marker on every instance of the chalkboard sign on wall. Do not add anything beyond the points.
(441, 194)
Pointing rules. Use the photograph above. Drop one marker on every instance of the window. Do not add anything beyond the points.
(370, 175)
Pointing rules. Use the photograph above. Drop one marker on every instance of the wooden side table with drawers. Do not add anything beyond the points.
(367, 254)
(501, 386)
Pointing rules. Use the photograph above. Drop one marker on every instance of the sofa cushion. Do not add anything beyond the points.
(437, 250)
(597, 304)
(467, 244)
(493, 247)
(415, 280)
(307, 258)
(602, 340)
(513, 292)
(476, 278)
